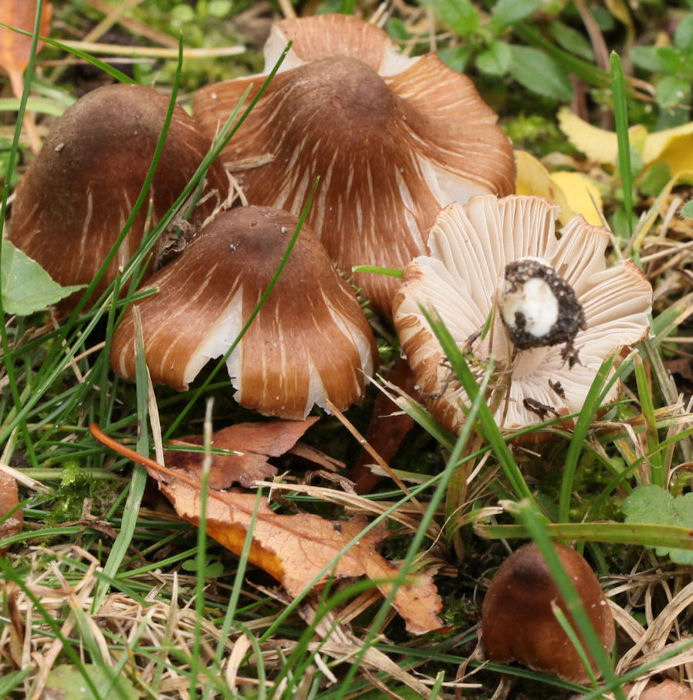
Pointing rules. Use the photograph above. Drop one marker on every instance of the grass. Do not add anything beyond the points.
(104, 576)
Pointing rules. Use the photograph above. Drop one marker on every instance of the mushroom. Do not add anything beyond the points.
(517, 620)
(393, 138)
(310, 342)
(557, 311)
(76, 196)
(666, 690)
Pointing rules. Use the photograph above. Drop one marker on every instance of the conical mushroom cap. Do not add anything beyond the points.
(393, 139)
(76, 196)
(517, 620)
(310, 341)
(470, 247)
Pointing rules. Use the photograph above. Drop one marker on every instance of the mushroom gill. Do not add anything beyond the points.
(463, 278)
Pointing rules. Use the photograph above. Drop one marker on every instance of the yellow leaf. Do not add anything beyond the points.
(671, 146)
(582, 195)
(571, 191)
(619, 9)
(533, 178)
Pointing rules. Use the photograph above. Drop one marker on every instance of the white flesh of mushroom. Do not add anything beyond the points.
(535, 301)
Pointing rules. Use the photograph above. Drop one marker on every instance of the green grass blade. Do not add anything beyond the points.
(77, 53)
(487, 425)
(618, 89)
(413, 549)
(139, 474)
(641, 534)
(11, 162)
(201, 557)
(592, 403)
(263, 298)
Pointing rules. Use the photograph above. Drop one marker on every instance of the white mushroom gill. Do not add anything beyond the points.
(218, 341)
(470, 247)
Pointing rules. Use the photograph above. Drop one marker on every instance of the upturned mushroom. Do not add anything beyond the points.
(393, 138)
(310, 342)
(517, 620)
(556, 310)
(76, 196)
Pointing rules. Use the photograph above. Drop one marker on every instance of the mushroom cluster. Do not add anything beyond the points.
(393, 139)
(547, 310)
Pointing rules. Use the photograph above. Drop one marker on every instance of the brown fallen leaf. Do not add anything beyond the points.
(9, 501)
(15, 48)
(294, 549)
(254, 442)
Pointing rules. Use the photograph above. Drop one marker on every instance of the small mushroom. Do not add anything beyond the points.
(517, 619)
(310, 342)
(393, 138)
(666, 690)
(556, 311)
(76, 196)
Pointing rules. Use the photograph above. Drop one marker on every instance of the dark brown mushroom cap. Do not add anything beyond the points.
(393, 138)
(309, 343)
(76, 196)
(517, 620)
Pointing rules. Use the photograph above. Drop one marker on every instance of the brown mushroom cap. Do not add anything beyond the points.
(76, 196)
(393, 138)
(309, 343)
(517, 620)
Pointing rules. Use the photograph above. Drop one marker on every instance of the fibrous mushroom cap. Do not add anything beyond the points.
(470, 247)
(309, 343)
(76, 196)
(518, 623)
(393, 138)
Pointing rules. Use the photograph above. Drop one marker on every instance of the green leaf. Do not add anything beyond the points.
(653, 505)
(460, 15)
(507, 12)
(26, 286)
(67, 683)
(673, 60)
(455, 57)
(671, 91)
(219, 8)
(540, 73)
(654, 179)
(495, 60)
(687, 209)
(646, 57)
(683, 36)
(572, 40)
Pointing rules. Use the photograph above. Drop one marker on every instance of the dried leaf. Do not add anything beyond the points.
(293, 548)
(254, 442)
(9, 501)
(15, 48)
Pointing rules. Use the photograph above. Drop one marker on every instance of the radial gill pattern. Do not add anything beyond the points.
(470, 247)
